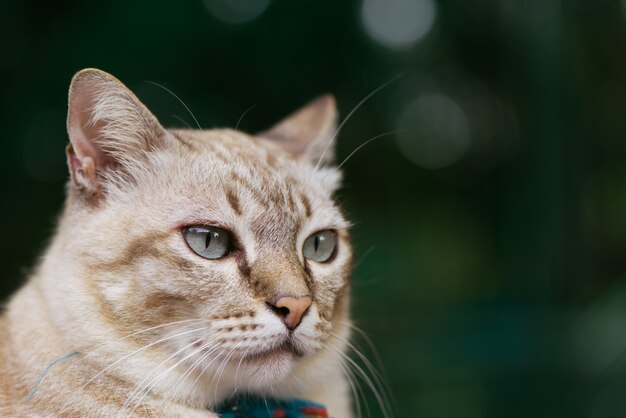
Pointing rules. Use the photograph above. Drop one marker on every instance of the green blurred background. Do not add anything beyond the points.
(490, 231)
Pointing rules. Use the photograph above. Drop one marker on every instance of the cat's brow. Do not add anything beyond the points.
(233, 200)
(307, 205)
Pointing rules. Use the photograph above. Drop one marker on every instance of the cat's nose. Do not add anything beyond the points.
(290, 309)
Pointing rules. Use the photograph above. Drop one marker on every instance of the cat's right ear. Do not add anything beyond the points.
(109, 129)
(309, 133)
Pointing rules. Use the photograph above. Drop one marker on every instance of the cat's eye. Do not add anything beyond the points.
(320, 246)
(208, 241)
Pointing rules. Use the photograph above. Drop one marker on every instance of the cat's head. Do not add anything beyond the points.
(226, 248)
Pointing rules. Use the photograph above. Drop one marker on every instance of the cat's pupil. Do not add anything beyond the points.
(207, 242)
(316, 243)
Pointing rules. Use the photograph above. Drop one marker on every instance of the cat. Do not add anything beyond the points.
(187, 266)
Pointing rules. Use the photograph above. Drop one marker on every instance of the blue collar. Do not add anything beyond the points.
(256, 407)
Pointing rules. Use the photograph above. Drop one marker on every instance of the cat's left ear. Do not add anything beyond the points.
(110, 130)
(309, 133)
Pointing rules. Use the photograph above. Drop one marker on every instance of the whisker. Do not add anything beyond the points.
(182, 120)
(351, 369)
(181, 380)
(299, 384)
(184, 321)
(244, 114)
(199, 361)
(354, 384)
(358, 353)
(378, 378)
(367, 142)
(89, 352)
(194, 365)
(219, 175)
(222, 367)
(177, 98)
(140, 350)
(364, 256)
(220, 370)
(354, 109)
(153, 383)
(147, 388)
(379, 398)
(361, 398)
(243, 356)
(372, 348)
(206, 367)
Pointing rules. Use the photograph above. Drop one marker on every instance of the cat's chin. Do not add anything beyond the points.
(269, 366)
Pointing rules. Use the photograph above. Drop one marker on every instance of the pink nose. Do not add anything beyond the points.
(290, 309)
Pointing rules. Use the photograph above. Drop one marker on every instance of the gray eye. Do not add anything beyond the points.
(208, 241)
(320, 246)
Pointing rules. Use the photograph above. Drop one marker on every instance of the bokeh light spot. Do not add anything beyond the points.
(398, 23)
(237, 11)
(434, 131)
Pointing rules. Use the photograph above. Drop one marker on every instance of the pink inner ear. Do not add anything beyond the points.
(83, 139)
(83, 170)
(82, 133)
(108, 126)
(73, 161)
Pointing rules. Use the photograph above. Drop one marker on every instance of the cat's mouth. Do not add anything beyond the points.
(286, 349)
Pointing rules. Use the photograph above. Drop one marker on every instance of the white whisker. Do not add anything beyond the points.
(184, 122)
(243, 356)
(140, 350)
(177, 98)
(147, 388)
(354, 384)
(369, 343)
(244, 114)
(206, 367)
(378, 378)
(184, 321)
(347, 118)
(367, 142)
(181, 380)
(379, 398)
(223, 365)
(219, 176)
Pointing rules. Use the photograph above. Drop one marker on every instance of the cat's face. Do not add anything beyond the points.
(191, 237)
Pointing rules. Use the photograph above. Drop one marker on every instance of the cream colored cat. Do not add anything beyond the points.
(188, 266)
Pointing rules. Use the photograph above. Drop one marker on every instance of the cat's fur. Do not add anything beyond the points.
(118, 269)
